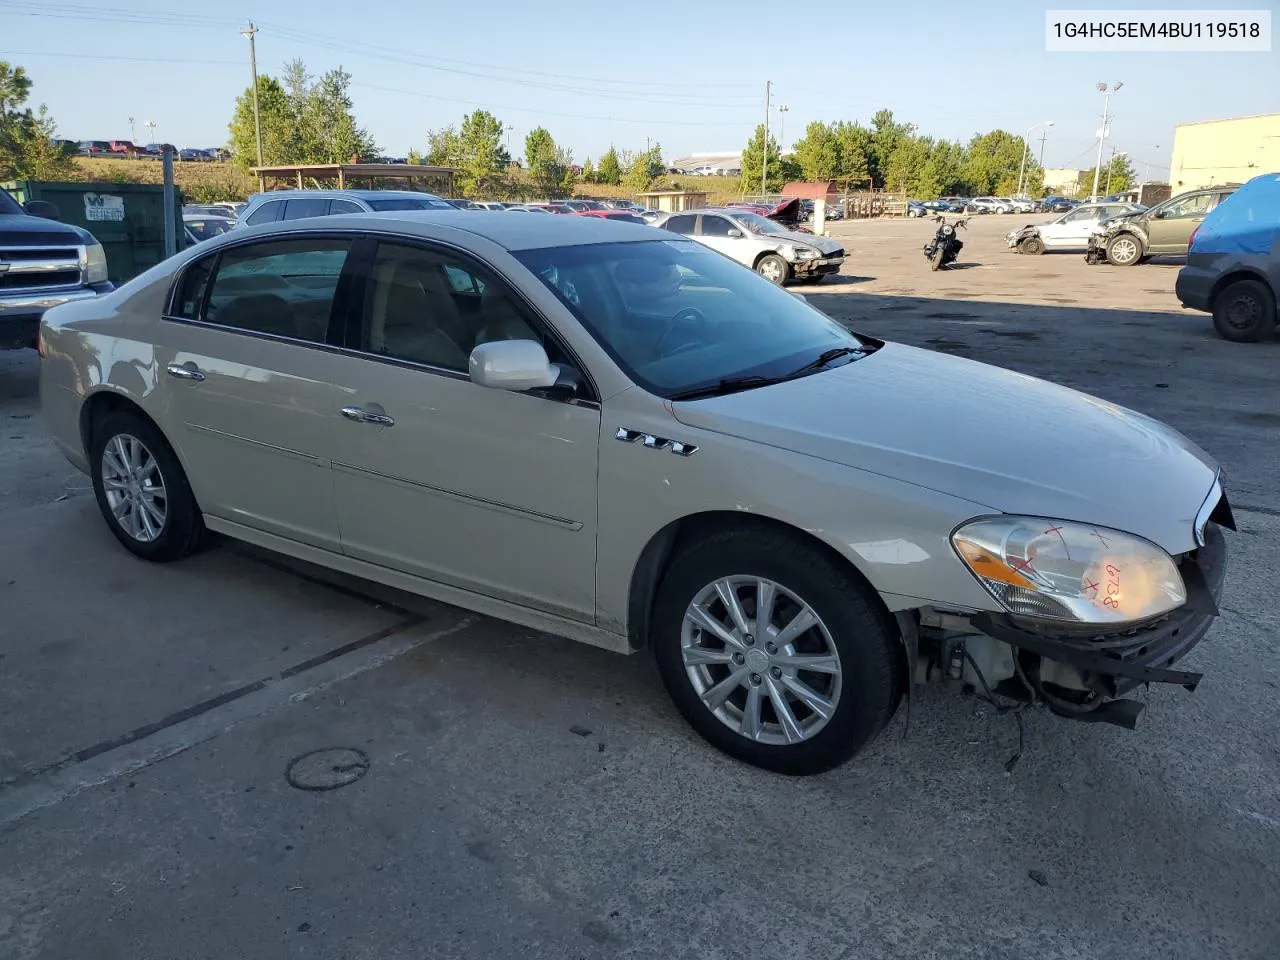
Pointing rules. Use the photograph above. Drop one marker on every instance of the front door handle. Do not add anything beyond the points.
(186, 371)
(361, 415)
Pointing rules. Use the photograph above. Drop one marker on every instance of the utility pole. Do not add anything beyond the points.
(1026, 148)
(1043, 137)
(1146, 177)
(250, 32)
(764, 153)
(1103, 133)
(133, 132)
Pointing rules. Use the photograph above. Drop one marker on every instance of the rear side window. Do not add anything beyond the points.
(337, 206)
(284, 288)
(269, 212)
(682, 225)
(298, 208)
(190, 295)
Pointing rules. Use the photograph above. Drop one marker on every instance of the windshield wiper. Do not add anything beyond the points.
(727, 385)
(824, 358)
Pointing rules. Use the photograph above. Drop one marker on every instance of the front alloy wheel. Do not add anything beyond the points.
(773, 268)
(760, 660)
(1123, 250)
(774, 651)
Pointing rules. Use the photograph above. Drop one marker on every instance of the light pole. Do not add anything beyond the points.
(133, 133)
(782, 126)
(1111, 166)
(151, 130)
(1103, 132)
(764, 154)
(1026, 148)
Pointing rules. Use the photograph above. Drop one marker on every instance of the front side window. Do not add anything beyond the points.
(758, 224)
(428, 307)
(1187, 207)
(283, 287)
(677, 316)
(269, 212)
(716, 226)
(683, 224)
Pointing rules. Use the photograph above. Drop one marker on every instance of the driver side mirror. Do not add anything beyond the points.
(734, 233)
(1159, 214)
(43, 209)
(516, 365)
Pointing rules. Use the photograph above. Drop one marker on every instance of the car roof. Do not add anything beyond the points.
(512, 233)
(355, 194)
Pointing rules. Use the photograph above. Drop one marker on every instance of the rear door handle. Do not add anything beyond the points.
(361, 415)
(186, 371)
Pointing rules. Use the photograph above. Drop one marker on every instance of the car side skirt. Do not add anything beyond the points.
(477, 603)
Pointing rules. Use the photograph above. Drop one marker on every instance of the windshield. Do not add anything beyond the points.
(758, 224)
(407, 203)
(8, 205)
(677, 316)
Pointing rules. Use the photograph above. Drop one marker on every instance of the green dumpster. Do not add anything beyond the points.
(127, 218)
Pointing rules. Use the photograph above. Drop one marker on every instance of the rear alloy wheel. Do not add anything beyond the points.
(773, 268)
(1032, 246)
(1124, 250)
(141, 489)
(1245, 312)
(773, 653)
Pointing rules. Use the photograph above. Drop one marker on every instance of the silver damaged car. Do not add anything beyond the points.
(609, 432)
(767, 247)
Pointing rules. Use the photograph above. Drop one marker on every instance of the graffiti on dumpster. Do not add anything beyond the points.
(103, 206)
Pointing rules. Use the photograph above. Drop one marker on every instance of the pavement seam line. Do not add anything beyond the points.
(69, 778)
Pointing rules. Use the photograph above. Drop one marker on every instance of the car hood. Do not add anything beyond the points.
(991, 436)
(824, 244)
(26, 230)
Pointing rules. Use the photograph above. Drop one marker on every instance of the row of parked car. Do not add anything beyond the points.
(135, 151)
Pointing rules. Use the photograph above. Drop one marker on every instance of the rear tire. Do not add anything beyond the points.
(1032, 246)
(851, 637)
(1245, 312)
(773, 268)
(142, 489)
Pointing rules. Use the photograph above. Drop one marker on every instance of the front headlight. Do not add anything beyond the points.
(95, 264)
(805, 253)
(1055, 570)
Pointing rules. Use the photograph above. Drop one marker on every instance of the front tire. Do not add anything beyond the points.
(773, 268)
(773, 652)
(935, 262)
(1245, 312)
(1124, 250)
(1033, 246)
(142, 489)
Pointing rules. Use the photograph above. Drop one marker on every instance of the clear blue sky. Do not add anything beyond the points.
(688, 75)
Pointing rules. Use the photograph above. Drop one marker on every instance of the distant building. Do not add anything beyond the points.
(1063, 181)
(723, 164)
(1210, 152)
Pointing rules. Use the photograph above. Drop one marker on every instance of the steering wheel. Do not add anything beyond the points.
(685, 316)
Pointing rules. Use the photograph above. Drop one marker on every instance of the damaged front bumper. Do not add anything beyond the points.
(1083, 672)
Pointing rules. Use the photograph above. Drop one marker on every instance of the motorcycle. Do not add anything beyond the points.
(945, 245)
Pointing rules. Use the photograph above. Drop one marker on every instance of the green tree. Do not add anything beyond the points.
(279, 140)
(444, 147)
(943, 173)
(1117, 175)
(610, 170)
(543, 159)
(645, 167)
(482, 156)
(27, 147)
(754, 157)
(818, 152)
(853, 150)
(886, 135)
(993, 162)
(588, 171)
(906, 169)
(333, 136)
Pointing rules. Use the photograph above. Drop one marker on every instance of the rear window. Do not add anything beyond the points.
(8, 205)
(269, 212)
(408, 203)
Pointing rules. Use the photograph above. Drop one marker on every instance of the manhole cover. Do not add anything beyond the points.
(327, 769)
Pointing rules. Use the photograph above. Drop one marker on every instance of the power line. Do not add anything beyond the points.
(106, 56)
(540, 112)
(343, 45)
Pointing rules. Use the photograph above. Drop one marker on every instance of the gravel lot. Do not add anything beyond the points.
(518, 795)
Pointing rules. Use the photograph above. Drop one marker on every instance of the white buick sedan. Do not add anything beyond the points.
(615, 434)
